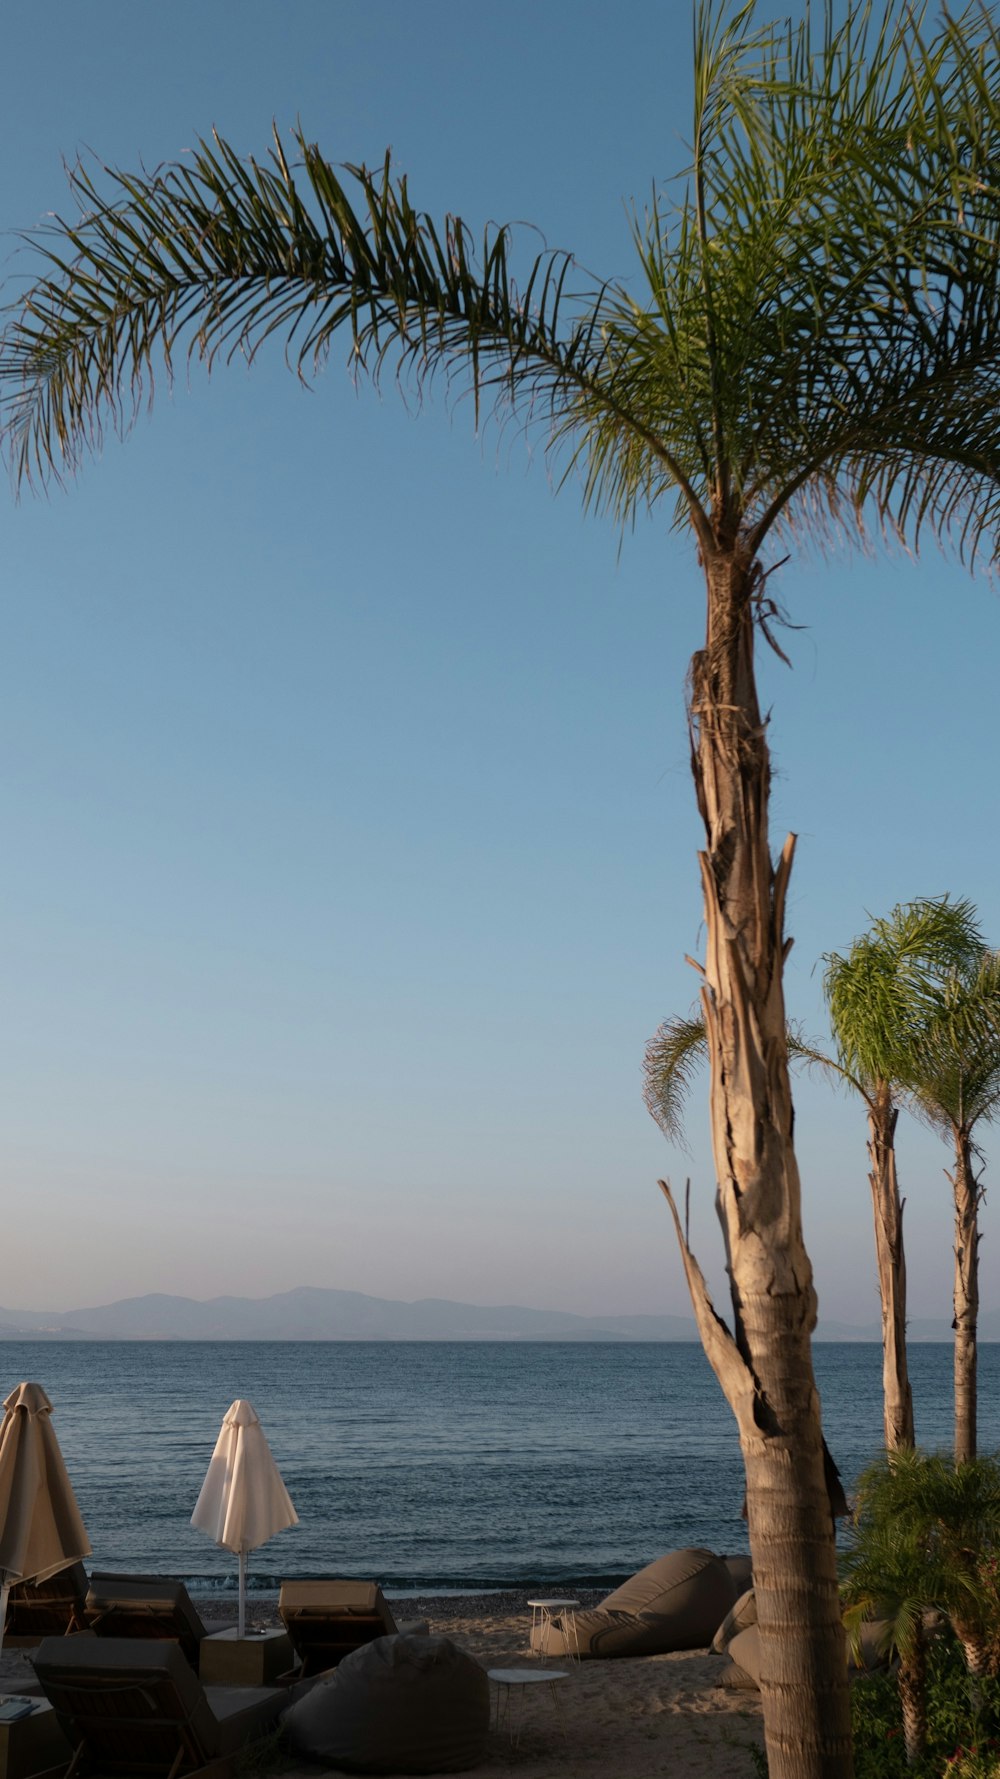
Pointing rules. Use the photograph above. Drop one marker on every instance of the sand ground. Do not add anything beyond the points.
(641, 1719)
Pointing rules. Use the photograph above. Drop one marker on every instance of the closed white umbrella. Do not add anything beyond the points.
(41, 1530)
(243, 1500)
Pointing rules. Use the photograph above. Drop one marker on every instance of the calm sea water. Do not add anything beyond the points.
(466, 1466)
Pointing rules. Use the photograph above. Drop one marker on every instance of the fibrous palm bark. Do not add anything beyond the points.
(890, 1259)
(766, 1371)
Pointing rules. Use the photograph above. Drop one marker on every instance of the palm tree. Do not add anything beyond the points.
(954, 1084)
(923, 1539)
(880, 996)
(815, 338)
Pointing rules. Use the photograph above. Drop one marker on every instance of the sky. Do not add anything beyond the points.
(348, 830)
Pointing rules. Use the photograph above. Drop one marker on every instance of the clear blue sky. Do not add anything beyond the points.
(348, 831)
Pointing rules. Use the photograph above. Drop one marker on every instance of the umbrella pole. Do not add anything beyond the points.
(243, 1594)
(4, 1591)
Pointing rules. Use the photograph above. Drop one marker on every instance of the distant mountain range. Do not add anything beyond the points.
(312, 1313)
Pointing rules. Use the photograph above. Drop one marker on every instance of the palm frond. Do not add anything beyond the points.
(676, 1052)
(887, 987)
(674, 1055)
(954, 1074)
(216, 256)
(816, 326)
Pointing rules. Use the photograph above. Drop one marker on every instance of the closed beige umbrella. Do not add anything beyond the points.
(41, 1530)
(243, 1500)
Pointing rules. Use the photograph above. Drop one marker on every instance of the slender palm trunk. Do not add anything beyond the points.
(912, 1681)
(897, 1397)
(768, 1375)
(965, 1186)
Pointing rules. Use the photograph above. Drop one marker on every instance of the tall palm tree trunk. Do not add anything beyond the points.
(767, 1376)
(965, 1186)
(887, 1206)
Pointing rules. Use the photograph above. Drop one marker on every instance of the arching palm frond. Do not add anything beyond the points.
(842, 237)
(674, 1055)
(816, 325)
(882, 993)
(954, 1080)
(216, 256)
(678, 1049)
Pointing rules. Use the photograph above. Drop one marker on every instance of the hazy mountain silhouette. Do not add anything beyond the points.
(314, 1313)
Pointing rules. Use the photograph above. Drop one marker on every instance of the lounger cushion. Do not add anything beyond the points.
(403, 1704)
(677, 1602)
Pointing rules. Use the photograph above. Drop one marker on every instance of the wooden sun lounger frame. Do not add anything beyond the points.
(327, 1620)
(150, 1606)
(131, 1707)
(55, 1607)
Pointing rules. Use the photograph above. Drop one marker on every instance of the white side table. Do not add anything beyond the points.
(512, 1684)
(542, 1614)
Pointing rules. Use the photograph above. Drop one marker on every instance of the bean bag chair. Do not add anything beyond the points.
(738, 1618)
(741, 1570)
(743, 1670)
(743, 1649)
(402, 1704)
(674, 1603)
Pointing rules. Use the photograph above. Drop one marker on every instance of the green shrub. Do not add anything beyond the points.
(963, 1722)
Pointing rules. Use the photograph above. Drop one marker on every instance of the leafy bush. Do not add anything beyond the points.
(963, 1722)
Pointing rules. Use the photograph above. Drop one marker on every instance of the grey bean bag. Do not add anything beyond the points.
(738, 1618)
(402, 1704)
(743, 1649)
(741, 1570)
(675, 1603)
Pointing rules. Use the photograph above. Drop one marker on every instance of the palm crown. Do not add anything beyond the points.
(830, 261)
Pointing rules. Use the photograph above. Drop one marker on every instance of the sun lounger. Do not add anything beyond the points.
(51, 1608)
(151, 1606)
(131, 1707)
(326, 1620)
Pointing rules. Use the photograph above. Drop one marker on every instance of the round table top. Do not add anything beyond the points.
(549, 1604)
(525, 1676)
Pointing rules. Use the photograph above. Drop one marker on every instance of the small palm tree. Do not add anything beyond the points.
(814, 337)
(885, 1577)
(880, 996)
(954, 1084)
(923, 1538)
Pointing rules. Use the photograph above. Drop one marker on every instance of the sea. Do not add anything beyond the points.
(442, 1467)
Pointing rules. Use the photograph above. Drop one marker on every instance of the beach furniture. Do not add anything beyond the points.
(150, 1606)
(41, 1531)
(738, 1638)
(243, 1501)
(131, 1707)
(677, 1602)
(327, 1620)
(50, 1608)
(403, 1704)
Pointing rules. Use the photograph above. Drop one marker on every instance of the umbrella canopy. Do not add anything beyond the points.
(243, 1501)
(41, 1530)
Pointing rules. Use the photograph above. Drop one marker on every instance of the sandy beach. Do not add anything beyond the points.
(628, 1719)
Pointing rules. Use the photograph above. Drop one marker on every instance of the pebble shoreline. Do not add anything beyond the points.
(438, 1609)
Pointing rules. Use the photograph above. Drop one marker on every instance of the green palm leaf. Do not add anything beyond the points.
(815, 326)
